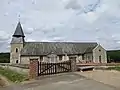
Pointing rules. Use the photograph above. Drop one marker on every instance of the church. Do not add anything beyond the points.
(84, 52)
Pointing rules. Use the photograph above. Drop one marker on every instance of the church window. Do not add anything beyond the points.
(100, 59)
(82, 57)
(16, 61)
(99, 50)
(16, 50)
(60, 58)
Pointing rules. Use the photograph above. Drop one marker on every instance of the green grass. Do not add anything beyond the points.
(114, 68)
(12, 75)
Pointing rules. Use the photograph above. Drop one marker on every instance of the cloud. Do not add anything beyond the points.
(62, 20)
(45, 40)
(28, 30)
(4, 36)
(73, 4)
(30, 40)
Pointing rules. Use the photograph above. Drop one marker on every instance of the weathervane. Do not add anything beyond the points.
(19, 17)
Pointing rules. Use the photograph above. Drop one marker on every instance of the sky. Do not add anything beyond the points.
(61, 20)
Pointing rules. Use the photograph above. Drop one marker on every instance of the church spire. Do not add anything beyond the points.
(19, 31)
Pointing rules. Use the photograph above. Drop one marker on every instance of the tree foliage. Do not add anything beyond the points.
(4, 57)
(114, 55)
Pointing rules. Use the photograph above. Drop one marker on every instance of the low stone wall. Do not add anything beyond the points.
(18, 68)
(98, 64)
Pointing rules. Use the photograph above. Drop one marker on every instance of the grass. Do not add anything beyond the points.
(114, 68)
(12, 75)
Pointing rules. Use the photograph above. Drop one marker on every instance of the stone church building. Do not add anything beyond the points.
(84, 52)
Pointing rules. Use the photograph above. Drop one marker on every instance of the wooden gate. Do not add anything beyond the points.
(54, 68)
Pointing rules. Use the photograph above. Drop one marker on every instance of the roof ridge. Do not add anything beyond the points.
(60, 42)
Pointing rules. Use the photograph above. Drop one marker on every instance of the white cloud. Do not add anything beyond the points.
(30, 40)
(91, 17)
(28, 30)
(62, 20)
(4, 36)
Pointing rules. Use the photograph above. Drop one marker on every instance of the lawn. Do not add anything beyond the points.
(12, 75)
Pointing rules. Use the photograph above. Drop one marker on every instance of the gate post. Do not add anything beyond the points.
(73, 64)
(34, 68)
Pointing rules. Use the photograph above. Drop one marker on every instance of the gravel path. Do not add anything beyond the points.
(110, 77)
(4, 81)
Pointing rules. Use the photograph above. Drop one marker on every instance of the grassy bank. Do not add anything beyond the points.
(12, 75)
(114, 68)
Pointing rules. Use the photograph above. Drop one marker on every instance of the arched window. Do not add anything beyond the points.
(82, 56)
(16, 61)
(16, 50)
(99, 59)
(60, 58)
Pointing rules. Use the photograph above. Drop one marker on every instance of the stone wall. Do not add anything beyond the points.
(25, 59)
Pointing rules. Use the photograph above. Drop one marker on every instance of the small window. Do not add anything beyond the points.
(16, 61)
(82, 57)
(16, 50)
(41, 58)
(88, 57)
(100, 59)
(60, 58)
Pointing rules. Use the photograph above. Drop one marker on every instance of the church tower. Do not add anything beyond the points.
(17, 44)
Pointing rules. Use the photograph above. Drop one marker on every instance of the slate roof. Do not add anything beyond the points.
(19, 31)
(59, 48)
(89, 49)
